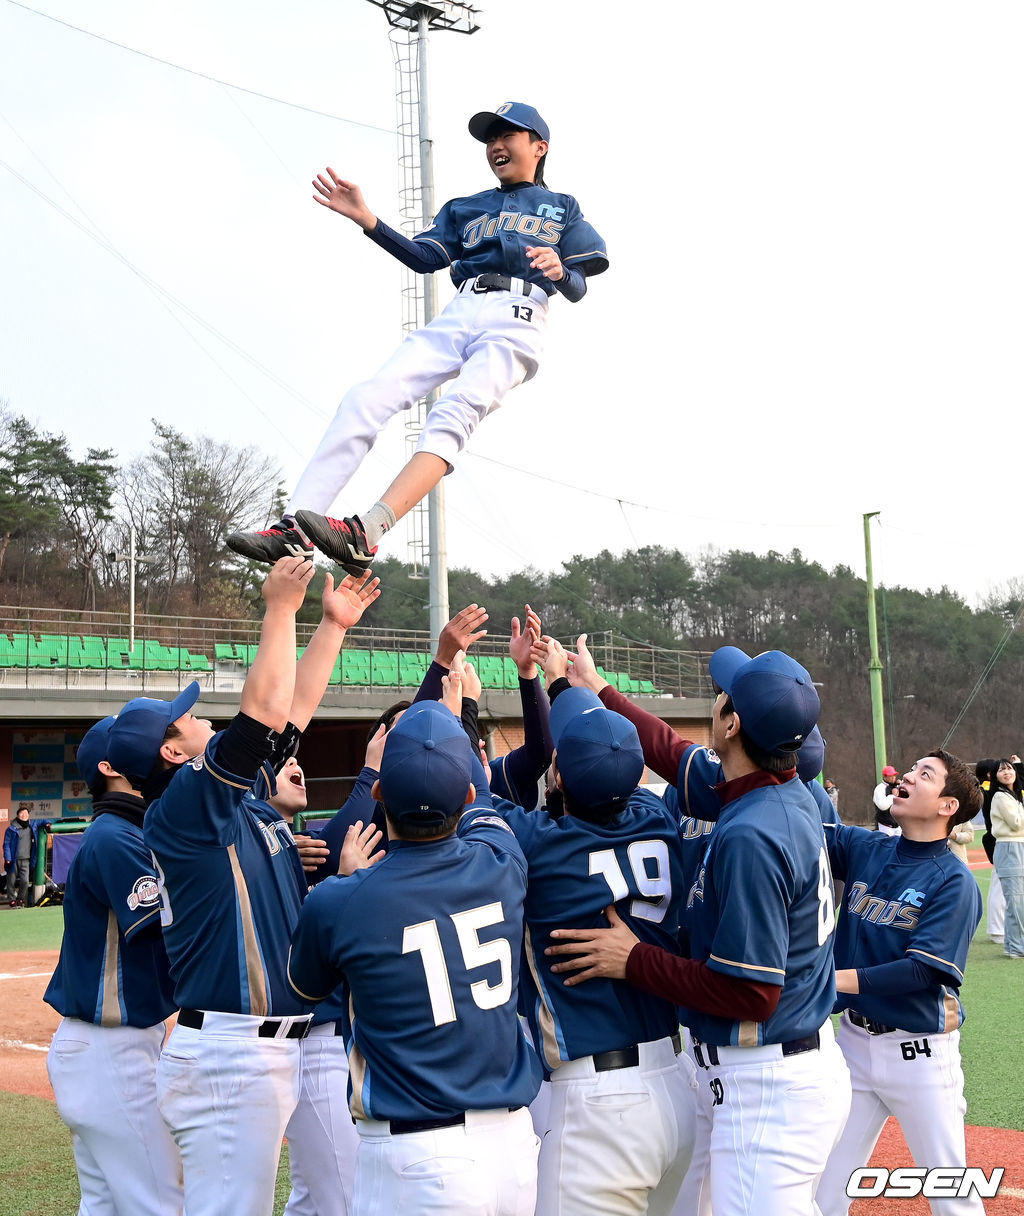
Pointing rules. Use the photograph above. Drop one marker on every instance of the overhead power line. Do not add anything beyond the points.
(178, 67)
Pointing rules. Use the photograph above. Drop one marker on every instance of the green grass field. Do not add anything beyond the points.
(39, 1171)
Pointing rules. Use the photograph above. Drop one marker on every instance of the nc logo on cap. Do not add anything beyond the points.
(504, 107)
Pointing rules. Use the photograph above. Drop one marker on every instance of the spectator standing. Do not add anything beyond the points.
(21, 844)
(1008, 828)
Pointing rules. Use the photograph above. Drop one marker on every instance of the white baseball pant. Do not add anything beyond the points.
(322, 1139)
(489, 343)
(486, 1167)
(104, 1080)
(618, 1142)
(924, 1092)
(227, 1096)
(775, 1119)
(694, 1197)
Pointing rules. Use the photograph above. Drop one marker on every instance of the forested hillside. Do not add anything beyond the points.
(61, 517)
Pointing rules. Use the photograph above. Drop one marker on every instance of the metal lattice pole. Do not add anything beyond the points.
(411, 25)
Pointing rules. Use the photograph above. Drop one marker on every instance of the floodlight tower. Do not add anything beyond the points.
(411, 23)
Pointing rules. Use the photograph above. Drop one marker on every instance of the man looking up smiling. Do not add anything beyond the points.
(901, 947)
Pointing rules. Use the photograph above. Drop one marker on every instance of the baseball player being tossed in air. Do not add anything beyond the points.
(231, 885)
(508, 251)
(912, 907)
(758, 988)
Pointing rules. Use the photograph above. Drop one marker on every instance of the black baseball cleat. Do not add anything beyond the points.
(342, 540)
(283, 539)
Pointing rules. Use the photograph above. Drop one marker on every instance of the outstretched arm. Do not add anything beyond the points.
(663, 748)
(343, 607)
(270, 684)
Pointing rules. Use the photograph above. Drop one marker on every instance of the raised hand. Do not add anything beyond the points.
(357, 851)
(345, 604)
(344, 197)
(460, 633)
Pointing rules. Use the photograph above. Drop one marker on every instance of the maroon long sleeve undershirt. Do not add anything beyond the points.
(688, 982)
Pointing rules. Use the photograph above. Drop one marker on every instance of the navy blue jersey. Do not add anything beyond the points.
(904, 898)
(762, 908)
(429, 941)
(112, 969)
(576, 869)
(231, 887)
(489, 232)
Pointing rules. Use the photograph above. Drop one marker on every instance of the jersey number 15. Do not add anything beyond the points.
(425, 939)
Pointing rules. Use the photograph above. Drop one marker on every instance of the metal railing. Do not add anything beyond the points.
(202, 644)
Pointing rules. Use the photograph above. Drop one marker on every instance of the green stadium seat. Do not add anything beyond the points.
(491, 670)
(411, 669)
(225, 652)
(355, 667)
(384, 668)
(194, 662)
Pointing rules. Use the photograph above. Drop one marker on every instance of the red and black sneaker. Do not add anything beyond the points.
(342, 540)
(281, 540)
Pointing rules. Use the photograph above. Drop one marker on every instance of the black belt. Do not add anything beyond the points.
(495, 282)
(627, 1057)
(867, 1024)
(193, 1019)
(794, 1047)
(403, 1127)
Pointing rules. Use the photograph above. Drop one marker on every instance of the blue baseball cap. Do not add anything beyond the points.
(599, 753)
(811, 760)
(427, 766)
(139, 729)
(93, 749)
(511, 114)
(774, 696)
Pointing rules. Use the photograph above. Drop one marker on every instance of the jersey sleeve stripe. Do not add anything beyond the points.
(728, 962)
(306, 996)
(253, 963)
(581, 257)
(936, 959)
(427, 240)
(135, 926)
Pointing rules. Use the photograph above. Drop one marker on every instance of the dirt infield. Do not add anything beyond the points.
(27, 1025)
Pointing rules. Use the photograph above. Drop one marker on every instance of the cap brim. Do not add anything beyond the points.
(724, 664)
(480, 124)
(184, 701)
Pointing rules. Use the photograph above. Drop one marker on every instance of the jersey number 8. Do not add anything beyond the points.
(425, 939)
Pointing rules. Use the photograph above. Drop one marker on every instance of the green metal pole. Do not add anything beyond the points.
(875, 664)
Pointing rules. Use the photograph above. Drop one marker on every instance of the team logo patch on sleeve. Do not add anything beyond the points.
(197, 762)
(145, 893)
(493, 821)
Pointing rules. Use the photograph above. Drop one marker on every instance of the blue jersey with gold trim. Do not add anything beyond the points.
(429, 941)
(904, 899)
(490, 231)
(112, 969)
(762, 908)
(231, 885)
(576, 869)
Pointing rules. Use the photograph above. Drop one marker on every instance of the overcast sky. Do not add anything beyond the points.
(812, 211)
